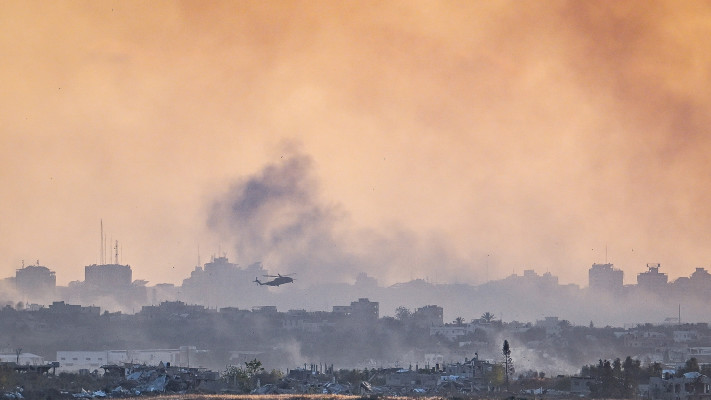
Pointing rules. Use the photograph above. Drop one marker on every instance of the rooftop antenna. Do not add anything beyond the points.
(605, 253)
(116, 253)
(101, 244)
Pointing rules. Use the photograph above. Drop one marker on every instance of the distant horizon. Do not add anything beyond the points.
(426, 279)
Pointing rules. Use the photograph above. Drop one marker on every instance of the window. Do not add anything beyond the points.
(74, 359)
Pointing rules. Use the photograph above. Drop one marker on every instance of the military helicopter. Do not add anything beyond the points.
(279, 279)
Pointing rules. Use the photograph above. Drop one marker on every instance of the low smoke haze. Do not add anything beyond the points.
(449, 141)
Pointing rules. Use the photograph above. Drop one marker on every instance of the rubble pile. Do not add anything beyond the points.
(135, 380)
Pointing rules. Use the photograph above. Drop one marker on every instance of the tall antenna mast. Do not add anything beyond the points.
(116, 253)
(101, 244)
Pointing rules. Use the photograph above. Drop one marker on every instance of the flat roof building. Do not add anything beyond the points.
(35, 278)
(108, 276)
(652, 281)
(605, 278)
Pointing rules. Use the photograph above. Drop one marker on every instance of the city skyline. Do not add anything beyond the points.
(608, 282)
(220, 283)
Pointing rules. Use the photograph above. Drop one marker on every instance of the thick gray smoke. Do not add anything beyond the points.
(277, 217)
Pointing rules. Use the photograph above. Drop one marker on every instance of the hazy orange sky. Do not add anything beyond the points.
(427, 139)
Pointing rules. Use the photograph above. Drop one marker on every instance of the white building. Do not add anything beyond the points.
(25, 358)
(93, 360)
(451, 332)
(685, 336)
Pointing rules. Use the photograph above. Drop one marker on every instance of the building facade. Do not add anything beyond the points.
(605, 278)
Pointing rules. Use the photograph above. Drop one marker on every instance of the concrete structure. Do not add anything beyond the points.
(93, 360)
(407, 378)
(646, 339)
(605, 278)
(265, 310)
(61, 308)
(313, 322)
(701, 353)
(169, 309)
(162, 292)
(691, 386)
(428, 316)
(35, 281)
(220, 283)
(363, 309)
(451, 332)
(24, 358)
(581, 384)
(551, 325)
(652, 281)
(685, 336)
(107, 276)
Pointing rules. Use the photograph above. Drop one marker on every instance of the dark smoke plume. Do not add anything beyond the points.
(278, 217)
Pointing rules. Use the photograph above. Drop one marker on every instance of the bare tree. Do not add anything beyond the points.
(18, 351)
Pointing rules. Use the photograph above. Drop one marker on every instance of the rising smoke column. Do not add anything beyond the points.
(278, 217)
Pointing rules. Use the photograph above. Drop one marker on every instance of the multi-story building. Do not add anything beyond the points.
(652, 281)
(60, 308)
(605, 278)
(111, 287)
(646, 339)
(169, 309)
(427, 316)
(691, 385)
(313, 322)
(696, 286)
(363, 309)
(221, 283)
(449, 331)
(107, 276)
(35, 282)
